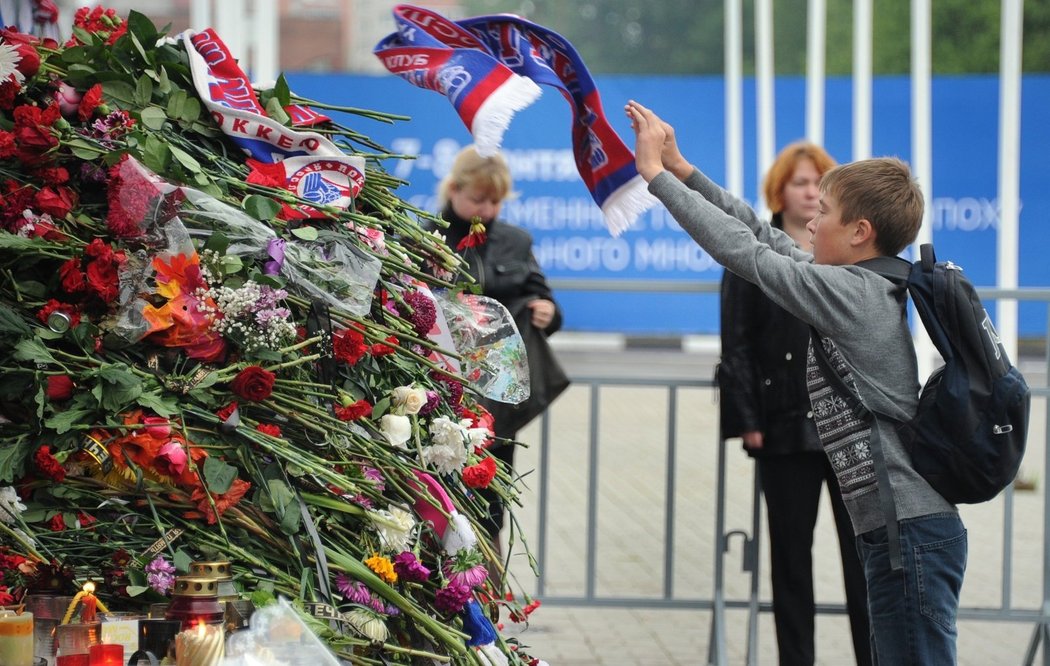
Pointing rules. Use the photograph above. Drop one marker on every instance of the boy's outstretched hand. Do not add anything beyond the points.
(655, 146)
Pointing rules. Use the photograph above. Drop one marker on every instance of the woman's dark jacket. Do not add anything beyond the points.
(506, 270)
(762, 373)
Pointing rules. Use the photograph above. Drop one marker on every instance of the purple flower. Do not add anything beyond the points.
(275, 248)
(160, 575)
(408, 568)
(433, 400)
(423, 314)
(452, 599)
(467, 575)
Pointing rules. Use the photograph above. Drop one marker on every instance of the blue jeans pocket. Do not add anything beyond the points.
(939, 569)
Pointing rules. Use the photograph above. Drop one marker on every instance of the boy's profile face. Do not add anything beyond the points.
(831, 238)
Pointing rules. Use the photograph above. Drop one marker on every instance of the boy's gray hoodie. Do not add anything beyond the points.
(854, 307)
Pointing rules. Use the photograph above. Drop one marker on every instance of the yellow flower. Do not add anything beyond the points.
(383, 567)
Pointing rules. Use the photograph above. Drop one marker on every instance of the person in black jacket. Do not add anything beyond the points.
(502, 263)
(765, 402)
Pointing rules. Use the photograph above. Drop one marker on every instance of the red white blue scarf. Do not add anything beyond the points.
(314, 168)
(488, 67)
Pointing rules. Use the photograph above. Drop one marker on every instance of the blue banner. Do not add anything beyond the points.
(571, 240)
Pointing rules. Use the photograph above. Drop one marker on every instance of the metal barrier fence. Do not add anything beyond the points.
(1004, 610)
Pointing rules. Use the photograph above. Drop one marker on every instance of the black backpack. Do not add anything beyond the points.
(968, 436)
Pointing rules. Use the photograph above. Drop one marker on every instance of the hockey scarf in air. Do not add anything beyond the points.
(309, 165)
(489, 68)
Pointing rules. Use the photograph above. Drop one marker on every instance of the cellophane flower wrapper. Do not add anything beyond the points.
(491, 349)
(277, 636)
(198, 364)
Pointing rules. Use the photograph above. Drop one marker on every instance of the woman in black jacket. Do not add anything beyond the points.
(502, 263)
(764, 401)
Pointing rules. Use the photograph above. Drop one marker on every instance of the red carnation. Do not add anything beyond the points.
(57, 523)
(253, 383)
(102, 279)
(389, 346)
(91, 100)
(353, 411)
(71, 275)
(59, 388)
(269, 429)
(8, 149)
(349, 346)
(481, 474)
(48, 465)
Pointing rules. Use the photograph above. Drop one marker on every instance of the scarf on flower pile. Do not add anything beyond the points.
(488, 67)
(305, 163)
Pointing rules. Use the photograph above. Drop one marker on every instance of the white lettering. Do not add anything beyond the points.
(965, 213)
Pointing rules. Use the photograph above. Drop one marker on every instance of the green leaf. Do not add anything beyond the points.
(182, 560)
(231, 264)
(63, 422)
(217, 242)
(84, 149)
(33, 350)
(163, 82)
(162, 405)
(305, 233)
(185, 159)
(261, 207)
(155, 154)
(142, 27)
(276, 111)
(13, 325)
(281, 92)
(120, 387)
(176, 103)
(136, 590)
(12, 461)
(74, 55)
(191, 110)
(119, 91)
(219, 476)
(143, 91)
(153, 117)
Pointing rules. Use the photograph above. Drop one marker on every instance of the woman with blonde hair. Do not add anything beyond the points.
(765, 402)
(500, 259)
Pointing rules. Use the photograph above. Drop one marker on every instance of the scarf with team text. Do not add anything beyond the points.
(489, 68)
(306, 163)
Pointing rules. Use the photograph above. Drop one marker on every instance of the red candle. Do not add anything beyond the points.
(73, 660)
(87, 612)
(106, 654)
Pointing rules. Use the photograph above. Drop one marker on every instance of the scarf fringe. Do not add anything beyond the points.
(492, 656)
(495, 113)
(625, 204)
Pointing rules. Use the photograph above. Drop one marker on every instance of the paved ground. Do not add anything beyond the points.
(629, 557)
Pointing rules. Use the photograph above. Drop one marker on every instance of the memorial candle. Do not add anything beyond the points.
(202, 645)
(16, 638)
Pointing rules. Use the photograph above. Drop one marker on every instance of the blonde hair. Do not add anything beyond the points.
(469, 169)
(784, 166)
(882, 191)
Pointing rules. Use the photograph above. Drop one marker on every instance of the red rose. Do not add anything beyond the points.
(53, 306)
(269, 429)
(59, 388)
(91, 100)
(353, 411)
(71, 275)
(57, 523)
(55, 201)
(481, 474)
(48, 465)
(253, 383)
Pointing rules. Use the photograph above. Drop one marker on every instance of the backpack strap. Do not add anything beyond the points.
(882, 474)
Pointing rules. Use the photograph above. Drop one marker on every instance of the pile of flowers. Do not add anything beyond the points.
(197, 364)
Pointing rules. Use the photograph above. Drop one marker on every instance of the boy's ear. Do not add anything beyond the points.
(863, 233)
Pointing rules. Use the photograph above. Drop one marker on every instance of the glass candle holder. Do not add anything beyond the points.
(16, 638)
(106, 654)
(47, 610)
(73, 660)
(194, 601)
(77, 638)
(157, 637)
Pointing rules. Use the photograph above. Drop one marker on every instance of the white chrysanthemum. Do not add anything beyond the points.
(9, 59)
(395, 528)
(446, 459)
(10, 506)
(370, 625)
(446, 432)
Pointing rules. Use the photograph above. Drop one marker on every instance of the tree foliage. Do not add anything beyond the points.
(686, 36)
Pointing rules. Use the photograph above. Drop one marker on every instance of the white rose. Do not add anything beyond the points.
(408, 399)
(396, 428)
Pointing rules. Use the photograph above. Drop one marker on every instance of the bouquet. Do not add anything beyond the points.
(213, 349)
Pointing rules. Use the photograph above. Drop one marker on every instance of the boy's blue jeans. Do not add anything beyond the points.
(913, 610)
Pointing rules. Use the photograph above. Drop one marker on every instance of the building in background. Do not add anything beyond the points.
(313, 35)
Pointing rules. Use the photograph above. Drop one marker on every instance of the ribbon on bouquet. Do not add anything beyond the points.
(313, 167)
(489, 68)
